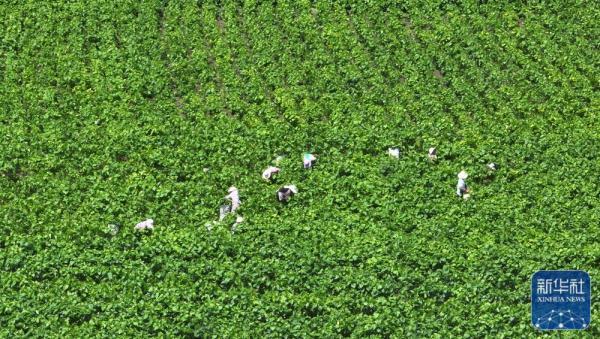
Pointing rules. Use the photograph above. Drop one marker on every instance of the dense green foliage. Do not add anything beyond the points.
(110, 111)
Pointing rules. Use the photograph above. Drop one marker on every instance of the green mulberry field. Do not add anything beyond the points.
(113, 112)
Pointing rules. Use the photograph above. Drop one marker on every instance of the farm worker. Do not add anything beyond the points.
(146, 224)
(394, 152)
(432, 154)
(461, 186)
(234, 196)
(268, 173)
(493, 166)
(308, 160)
(286, 192)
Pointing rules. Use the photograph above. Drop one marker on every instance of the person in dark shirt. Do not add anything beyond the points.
(286, 192)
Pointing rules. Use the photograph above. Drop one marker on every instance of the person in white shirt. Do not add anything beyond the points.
(234, 196)
(225, 210)
(394, 152)
(269, 172)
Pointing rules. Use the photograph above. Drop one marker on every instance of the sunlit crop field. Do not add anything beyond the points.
(115, 112)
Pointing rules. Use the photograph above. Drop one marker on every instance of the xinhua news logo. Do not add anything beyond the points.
(561, 300)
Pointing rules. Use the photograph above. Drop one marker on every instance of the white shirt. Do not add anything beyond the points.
(269, 172)
(234, 196)
(146, 224)
(461, 187)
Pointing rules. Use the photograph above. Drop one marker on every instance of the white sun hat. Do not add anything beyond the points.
(146, 224)
(463, 175)
(292, 188)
